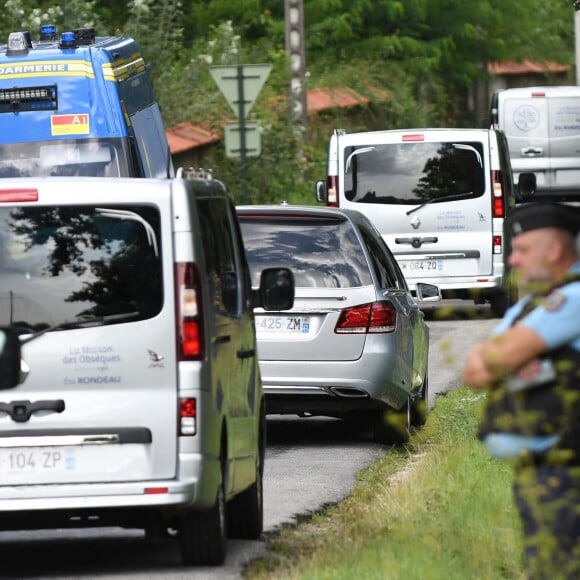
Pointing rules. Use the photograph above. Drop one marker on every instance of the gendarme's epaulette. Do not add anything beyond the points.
(551, 299)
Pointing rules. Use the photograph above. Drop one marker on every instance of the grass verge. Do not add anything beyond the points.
(438, 508)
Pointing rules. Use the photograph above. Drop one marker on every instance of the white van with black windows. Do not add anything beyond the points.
(139, 403)
(439, 198)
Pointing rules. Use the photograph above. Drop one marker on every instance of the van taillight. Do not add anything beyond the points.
(332, 190)
(18, 195)
(374, 318)
(187, 417)
(189, 313)
(497, 247)
(498, 207)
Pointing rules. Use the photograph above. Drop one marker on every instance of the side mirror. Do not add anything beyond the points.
(9, 358)
(320, 192)
(526, 186)
(276, 289)
(428, 292)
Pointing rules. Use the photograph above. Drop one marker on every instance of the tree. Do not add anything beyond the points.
(425, 54)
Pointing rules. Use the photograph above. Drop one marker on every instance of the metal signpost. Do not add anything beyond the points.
(240, 85)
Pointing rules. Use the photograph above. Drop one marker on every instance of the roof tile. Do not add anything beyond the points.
(510, 67)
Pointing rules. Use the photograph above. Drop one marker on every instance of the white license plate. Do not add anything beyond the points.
(36, 460)
(421, 266)
(73, 464)
(290, 324)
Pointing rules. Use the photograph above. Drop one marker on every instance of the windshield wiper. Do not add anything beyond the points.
(444, 198)
(83, 323)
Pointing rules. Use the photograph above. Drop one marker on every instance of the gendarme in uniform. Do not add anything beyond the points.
(533, 419)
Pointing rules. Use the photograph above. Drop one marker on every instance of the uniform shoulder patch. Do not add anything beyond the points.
(555, 301)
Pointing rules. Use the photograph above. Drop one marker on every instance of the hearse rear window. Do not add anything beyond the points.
(320, 253)
(414, 173)
(62, 266)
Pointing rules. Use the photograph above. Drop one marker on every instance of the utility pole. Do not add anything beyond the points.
(294, 20)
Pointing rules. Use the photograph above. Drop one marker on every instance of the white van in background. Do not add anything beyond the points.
(140, 402)
(439, 198)
(542, 126)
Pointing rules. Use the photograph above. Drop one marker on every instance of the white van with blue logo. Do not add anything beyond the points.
(139, 402)
(542, 126)
(439, 198)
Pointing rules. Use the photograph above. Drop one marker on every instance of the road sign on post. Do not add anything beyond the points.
(251, 77)
(232, 134)
(240, 85)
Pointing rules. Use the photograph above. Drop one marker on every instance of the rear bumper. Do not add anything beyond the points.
(479, 283)
(452, 282)
(335, 387)
(127, 504)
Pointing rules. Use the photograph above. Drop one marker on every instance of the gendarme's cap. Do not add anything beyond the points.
(535, 215)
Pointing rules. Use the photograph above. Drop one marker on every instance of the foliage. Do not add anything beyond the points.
(155, 25)
(440, 508)
(426, 54)
(30, 14)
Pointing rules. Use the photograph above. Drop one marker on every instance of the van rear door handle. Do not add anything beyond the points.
(21, 411)
(532, 151)
(223, 338)
(246, 353)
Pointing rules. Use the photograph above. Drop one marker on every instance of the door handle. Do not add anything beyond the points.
(532, 151)
(21, 411)
(222, 339)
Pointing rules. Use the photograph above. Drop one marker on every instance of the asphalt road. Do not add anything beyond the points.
(309, 464)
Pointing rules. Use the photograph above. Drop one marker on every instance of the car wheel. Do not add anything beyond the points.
(202, 536)
(392, 427)
(245, 512)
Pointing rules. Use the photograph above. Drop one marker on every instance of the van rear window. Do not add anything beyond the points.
(68, 264)
(414, 173)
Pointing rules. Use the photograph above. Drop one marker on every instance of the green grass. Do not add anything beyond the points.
(438, 508)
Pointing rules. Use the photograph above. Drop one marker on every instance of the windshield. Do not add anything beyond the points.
(413, 173)
(61, 264)
(89, 158)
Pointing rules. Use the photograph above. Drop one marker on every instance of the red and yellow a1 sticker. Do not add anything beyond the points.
(69, 124)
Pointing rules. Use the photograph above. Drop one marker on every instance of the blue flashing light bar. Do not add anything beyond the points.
(47, 29)
(68, 40)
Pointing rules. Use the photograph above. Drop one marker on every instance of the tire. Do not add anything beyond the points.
(245, 512)
(392, 427)
(202, 536)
